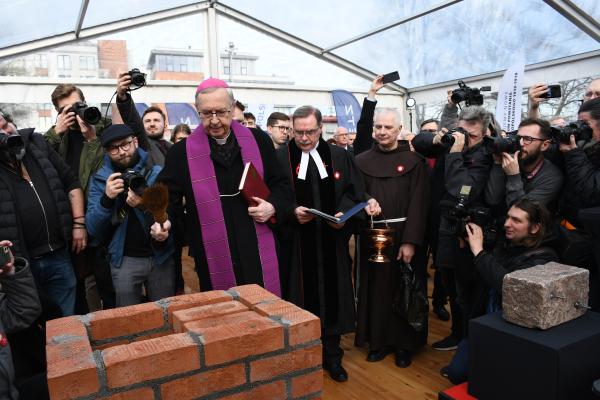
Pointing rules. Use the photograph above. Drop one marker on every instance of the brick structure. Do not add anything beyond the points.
(244, 343)
(112, 57)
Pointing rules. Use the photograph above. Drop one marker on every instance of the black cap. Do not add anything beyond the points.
(115, 132)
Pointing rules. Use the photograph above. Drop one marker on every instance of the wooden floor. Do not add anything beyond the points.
(380, 380)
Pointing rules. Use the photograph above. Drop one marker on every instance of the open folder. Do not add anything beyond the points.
(341, 219)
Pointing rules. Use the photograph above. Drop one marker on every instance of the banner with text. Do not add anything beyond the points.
(347, 109)
(510, 98)
(261, 112)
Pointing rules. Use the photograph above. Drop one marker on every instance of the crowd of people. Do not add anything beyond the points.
(80, 234)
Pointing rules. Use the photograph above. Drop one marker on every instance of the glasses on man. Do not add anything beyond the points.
(530, 139)
(309, 132)
(208, 114)
(114, 150)
(429, 130)
(283, 128)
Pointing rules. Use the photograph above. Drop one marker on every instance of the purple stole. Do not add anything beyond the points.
(210, 212)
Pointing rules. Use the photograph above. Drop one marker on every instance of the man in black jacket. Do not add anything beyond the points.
(464, 163)
(582, 191)
(37, 214)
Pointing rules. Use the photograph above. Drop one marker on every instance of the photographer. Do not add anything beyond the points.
(77, 142)
(582, 169)
(140, 254)
(463, 163)
(528, 235)
(526, 173)
(150, 128)
(19, 308)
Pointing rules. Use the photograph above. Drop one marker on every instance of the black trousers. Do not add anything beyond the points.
(332, 352)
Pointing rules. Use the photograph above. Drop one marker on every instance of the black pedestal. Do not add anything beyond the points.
(507, 361)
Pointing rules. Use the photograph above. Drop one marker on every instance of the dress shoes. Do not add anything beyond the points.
(336, 371)
(378, 355)
(403, 358)
(442, 313)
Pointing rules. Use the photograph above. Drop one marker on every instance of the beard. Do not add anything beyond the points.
(530, 159)
(122, 165)
(155, 135)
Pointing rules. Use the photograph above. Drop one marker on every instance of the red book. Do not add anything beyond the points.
(252, 185)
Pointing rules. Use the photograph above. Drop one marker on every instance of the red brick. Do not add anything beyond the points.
(253, 294)
(237, 336)
(270, 367)
(303, 326)
(124, 321)
(136, 394)
(71, 326)
(71, 369)
(180, 317)
(151, 336)
(111, 344)
(307, 384)
(271, 391)
(150, 359)
(204, 383)
(195, 300)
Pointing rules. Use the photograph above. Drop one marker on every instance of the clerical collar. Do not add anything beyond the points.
(222, 141)
(316, 158)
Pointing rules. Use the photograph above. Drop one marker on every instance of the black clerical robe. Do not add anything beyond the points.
(398, 180)
(241, 234)
(319, 274)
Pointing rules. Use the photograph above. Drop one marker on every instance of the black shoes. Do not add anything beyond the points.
(441, 313)
(403, 358)
(378, 355)
(448, 343)
(336, 371)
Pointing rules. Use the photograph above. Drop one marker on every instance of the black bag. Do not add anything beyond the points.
(410, 300)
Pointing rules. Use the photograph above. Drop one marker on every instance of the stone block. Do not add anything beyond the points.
(545, 295)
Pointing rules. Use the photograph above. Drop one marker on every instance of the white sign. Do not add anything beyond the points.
(508, 107)
(261, 112)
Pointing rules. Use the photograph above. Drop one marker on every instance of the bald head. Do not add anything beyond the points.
(341, 136)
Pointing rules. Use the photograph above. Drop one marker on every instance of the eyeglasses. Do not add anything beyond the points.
(114, 150)
(386, 127)
(308, 132)
(429, 130)
(217, 113)
(530, 139)
(282, 128)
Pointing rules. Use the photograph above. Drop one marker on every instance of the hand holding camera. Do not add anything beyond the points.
(65, 119)
(114, 185)
(7, 260)
(474, 237)
(128, 79)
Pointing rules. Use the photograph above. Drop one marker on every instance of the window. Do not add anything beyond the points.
(40, 61)
(87, 62)
(64, 62)
(226, 67)
(243, 67)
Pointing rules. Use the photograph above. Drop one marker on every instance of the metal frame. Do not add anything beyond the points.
(301, 44)
(393, 24)
(577, 16)
(81, 17)
(99, 30)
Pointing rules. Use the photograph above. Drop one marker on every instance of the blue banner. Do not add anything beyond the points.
(140, 107)
(182, 113)
(347, 109)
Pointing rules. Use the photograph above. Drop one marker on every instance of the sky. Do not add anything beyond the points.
(468, 38)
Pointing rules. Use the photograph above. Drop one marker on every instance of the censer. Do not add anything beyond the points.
(380, 239)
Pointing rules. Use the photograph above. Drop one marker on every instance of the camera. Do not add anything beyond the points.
(580, 129)
(459, 214)
(499, 144)
(448, 140)
(12, 142)
(135, 181)
(471, 96)
(4, 256)
(91, 115)
(138, 79)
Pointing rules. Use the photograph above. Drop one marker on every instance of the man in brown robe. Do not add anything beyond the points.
(398, 179)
